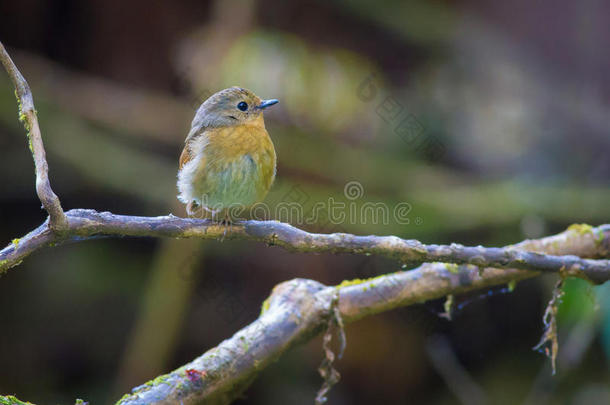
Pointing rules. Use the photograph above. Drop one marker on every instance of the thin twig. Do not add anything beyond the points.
(549, 343)
(27, 114)
(327, 370)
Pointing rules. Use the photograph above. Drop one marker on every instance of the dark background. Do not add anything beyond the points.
(508, 113)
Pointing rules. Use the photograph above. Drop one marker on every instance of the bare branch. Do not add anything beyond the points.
(85, 224)
(298, 310)
(27, 114)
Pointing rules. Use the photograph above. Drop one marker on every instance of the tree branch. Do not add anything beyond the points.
(86, 224)
(299, 309)
(27, 114)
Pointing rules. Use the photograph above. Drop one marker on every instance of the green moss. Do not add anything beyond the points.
(16, 242)
(80, 402)
(159, 380)
(19, 106)
(265, 306)
(600, 237)
(448, 306)
(181, 387)
(245, 342)
(347, 283)
(23, 118)
(582, 229)
(11, 400)
(357, 281)
(452, 268)
(512, 284)
(123, 398)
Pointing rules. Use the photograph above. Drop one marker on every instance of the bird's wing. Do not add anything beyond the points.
(185, 156)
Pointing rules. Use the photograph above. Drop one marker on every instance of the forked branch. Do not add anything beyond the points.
(297, 310)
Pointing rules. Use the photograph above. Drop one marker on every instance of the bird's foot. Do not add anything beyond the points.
(228, 225)
(192, 209)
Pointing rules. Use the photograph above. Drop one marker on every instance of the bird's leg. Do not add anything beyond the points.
(211, 211)
(227, 223)
(191, 208)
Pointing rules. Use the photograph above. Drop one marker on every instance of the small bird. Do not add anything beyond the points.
(228, 158)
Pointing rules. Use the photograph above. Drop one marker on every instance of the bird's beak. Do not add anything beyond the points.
(267, 103)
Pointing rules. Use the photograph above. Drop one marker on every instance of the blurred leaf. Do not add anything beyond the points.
(579, 301)
(317, 86)
(603, 295)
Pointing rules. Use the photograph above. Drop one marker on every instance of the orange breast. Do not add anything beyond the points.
(237, 164)
(229, 144)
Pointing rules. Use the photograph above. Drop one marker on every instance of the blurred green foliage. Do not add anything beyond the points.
(521, 123)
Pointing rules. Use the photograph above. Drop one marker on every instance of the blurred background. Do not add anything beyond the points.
(488, 120)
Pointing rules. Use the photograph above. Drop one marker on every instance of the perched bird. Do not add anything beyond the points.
(228, 159)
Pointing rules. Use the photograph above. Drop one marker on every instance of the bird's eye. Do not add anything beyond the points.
(242, 106)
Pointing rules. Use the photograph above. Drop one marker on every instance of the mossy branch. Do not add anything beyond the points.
(85, 224)
(298, 310)
(27, 114)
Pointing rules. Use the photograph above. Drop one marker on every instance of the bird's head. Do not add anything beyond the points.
(231, 106)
